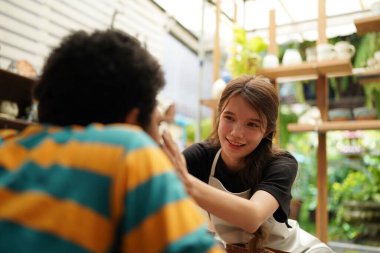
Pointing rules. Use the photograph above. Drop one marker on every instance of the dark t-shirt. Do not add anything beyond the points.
(277, 177)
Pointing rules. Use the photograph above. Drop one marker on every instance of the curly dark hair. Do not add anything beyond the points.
(98, 77)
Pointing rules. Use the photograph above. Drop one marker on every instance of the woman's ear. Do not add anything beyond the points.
(131, 117)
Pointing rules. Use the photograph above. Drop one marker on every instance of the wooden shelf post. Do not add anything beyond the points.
(322, 104)
(216, 52)
(273, 50)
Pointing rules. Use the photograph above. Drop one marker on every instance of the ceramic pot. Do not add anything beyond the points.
(325, 52)
(291, 57)
(344, 50)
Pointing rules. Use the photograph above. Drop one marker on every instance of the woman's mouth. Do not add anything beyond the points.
(235, 144)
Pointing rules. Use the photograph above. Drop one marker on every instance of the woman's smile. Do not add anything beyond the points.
(235, 144)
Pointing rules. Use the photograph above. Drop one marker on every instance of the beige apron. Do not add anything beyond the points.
(293, 239)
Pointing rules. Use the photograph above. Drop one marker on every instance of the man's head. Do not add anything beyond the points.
(101, 77)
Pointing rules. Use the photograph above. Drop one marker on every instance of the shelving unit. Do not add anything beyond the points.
(321, 71)
(211, 103)
(367, 24)
(323, 127)
(17, 89)
(310, 70)
(13, 124)
(368, 75)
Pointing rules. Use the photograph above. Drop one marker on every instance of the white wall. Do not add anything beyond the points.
(29, 29)
(182, 74)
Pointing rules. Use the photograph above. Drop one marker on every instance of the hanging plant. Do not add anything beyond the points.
(245, 53)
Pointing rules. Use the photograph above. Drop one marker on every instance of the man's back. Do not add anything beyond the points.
(93, 189)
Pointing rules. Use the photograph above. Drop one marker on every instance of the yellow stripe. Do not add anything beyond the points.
(30, 130)
(106, 160)
(6, 134)
(65, 219)
(166, 226)
(216, 249)
(141, 165)
(144, 164)
(12, 155)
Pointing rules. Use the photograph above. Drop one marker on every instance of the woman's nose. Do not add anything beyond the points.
(237, 130)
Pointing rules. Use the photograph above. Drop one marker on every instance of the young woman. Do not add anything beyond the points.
(240, 178)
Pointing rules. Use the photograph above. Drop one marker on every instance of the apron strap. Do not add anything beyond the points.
(214, 163)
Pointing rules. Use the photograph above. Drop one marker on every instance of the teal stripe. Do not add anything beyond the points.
(112, 135)
(197, 241)
(33, 140)
(150, 197)
(2, 170)
(86, 188)
(15, 238)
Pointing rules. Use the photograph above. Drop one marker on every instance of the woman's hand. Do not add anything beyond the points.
(176, 157)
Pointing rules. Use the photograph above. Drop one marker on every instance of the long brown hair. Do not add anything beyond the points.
(263, 97)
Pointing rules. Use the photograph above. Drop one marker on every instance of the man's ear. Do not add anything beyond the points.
(131, 117)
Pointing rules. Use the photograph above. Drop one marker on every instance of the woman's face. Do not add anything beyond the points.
(240, 131)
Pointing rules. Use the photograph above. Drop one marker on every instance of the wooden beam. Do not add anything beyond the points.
(322, 187)
(322, 22)
(322, 104)
(234, 18)
(339, 67)
(349, 125)
(367, 24)
(216, 53)
(272, 33)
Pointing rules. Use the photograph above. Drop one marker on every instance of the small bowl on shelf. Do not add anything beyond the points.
(339, 114)
(364, 113)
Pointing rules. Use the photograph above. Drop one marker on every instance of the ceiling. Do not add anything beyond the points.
(295, 19)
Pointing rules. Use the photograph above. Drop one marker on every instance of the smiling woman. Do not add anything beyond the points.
(241, 179)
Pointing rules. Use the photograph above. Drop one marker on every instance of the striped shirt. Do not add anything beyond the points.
(93, 189)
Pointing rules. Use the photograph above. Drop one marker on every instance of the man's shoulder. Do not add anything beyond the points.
(128, 136)
(6, 134)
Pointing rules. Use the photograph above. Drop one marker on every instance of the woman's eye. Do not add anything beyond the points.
(229, 118)
(252, 124)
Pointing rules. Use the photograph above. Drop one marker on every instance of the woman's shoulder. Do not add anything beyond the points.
(283, 161)
(199, 159)
(284, 156)
(200, 150)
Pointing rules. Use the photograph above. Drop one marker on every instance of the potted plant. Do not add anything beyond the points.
(358, 197)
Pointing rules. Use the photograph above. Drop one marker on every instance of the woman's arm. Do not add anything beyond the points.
(246, 214)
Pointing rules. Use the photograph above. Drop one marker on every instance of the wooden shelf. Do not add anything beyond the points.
(13, 124)
(351, 125)
(367, 24)
(368, 75)
(211, 103)
(17, 89)
(310, 70)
